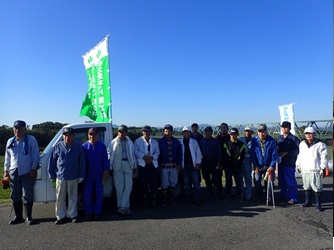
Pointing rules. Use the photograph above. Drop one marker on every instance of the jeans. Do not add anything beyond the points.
(246, 178)
(149, 179)
(191, 181)
(258, 177)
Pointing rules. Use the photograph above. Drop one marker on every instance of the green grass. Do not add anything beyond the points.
(4, 193)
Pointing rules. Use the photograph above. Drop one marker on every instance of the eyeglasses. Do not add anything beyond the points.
(308, 133)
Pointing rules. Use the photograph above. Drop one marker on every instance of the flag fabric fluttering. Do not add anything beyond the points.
(97, 102)
(286, 112)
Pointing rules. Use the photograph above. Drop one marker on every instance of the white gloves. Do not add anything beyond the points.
(299, 169)
(80, 180)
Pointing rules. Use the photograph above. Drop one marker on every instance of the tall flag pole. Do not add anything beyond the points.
(97, 102)
(287, 114)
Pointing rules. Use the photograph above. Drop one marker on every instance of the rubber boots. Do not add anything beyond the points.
(18, 209)
(318, 201)
(154, 201)
(172, 196)
(28, 211)
(308, 199)
(145, 201)
(164, 198)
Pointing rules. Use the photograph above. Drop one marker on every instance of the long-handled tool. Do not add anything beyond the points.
(270, 185)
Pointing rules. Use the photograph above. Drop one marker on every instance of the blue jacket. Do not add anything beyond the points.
(176, 152)
(96, 159)
(270, 154)
(67, 163)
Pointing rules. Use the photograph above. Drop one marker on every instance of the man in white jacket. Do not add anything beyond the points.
(122, 162)
(192, 158)
(312, 162)
(147, 154)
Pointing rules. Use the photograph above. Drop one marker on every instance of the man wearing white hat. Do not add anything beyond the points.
(312, 161)
(192, 158)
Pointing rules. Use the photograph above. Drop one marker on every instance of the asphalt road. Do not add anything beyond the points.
(214, 225)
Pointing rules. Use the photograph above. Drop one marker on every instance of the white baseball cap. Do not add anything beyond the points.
(186, 128)
(249, 128)
(309, 130)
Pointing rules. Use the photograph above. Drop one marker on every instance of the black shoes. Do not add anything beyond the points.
(16, 220)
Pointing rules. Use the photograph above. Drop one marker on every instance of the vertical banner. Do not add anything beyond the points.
(97, 102)
(286, 112)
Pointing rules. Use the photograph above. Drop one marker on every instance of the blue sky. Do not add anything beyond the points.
(175, 61)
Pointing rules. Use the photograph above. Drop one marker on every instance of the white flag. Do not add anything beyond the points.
(286, 112)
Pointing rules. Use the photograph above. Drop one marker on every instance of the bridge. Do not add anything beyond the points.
(324, 129)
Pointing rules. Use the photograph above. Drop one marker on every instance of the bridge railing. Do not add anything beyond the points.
(324, 129)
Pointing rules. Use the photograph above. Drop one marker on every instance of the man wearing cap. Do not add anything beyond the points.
(21, 161)
(264, 156)
(246, 171)
(147, 154)
(66, 170)
(122, 162)
(235, 150)
(223, 137)
(97, 172)
(170, 160)
(194, 133)
(312, 161)
(288, 149)
(211, 163)
(192, 157)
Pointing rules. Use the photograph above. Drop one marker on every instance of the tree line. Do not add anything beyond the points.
(44, 133)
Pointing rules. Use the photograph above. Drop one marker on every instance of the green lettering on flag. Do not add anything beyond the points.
(97, 102)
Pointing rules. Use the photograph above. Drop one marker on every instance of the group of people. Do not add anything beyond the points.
(245, 159)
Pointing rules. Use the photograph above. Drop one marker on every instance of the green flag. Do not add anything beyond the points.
(97, 102)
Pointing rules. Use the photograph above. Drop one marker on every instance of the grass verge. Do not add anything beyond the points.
(4, 193)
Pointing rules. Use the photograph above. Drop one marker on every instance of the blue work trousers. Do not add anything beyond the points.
(93, 194)
(287, 182)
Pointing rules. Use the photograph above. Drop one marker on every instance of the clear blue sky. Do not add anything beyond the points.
(175, 61)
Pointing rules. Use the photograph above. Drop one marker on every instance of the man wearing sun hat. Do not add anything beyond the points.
(312, 161)
(21, 161)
